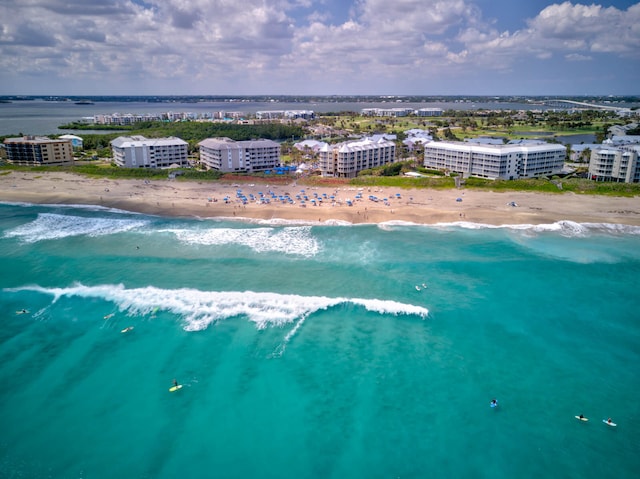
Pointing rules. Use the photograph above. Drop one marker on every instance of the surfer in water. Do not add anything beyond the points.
(580, 417)
(175, 383)
(494, 403)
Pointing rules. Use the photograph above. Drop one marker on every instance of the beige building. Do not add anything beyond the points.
(140, 152)
(227, 155)
(618, 164)
(345, 160)
(39, 151)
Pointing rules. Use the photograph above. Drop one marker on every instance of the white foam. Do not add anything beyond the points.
(198, 309)
(282, 221)
(49, 226)
(565, 228)
(289, 240)
(71, 206)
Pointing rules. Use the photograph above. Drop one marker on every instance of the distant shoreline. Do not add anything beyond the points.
(419, 206)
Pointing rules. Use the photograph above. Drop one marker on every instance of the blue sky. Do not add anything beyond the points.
(319, 47)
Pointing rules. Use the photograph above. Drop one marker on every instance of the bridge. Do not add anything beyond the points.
(584, 105)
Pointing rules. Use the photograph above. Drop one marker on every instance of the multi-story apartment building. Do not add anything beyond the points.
(288, 114)
(227, 155)
(398, 112)
(39, 151)
(429, 112)
(507, 162)
(140, 152)
(345, 160)
(619, 164)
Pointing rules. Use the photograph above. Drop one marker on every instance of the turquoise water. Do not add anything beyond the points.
(307, 351)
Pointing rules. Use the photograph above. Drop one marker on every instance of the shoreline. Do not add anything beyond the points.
(175, 198)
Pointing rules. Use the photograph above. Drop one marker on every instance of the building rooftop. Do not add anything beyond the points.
(137, 140)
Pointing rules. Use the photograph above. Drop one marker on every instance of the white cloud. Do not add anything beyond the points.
(576, 57)
(209, 45)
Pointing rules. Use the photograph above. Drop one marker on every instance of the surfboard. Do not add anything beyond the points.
(126, 330)
(175, 388)
(612, 424)
(109, 316)
(494, 404)
(581, 418)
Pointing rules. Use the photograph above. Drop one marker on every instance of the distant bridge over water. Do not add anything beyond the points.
(583, 105)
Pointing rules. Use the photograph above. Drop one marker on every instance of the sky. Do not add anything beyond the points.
(319, 47)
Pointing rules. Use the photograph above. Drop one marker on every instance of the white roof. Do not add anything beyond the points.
(137, 140)
(494, 149)
(228, 143)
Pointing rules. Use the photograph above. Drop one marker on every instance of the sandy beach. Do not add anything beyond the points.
(422, 206)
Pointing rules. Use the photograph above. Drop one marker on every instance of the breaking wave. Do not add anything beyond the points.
(565, 228)
(51, 226)
(288, 240)
(198, 309)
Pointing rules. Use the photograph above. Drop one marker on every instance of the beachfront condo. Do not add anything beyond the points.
(615, 163)
(345, 160)
(38, 151)
(140, 152)
(506, 162)
(227, 155)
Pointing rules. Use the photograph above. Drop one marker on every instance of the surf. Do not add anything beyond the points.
(198, 309)
(297, 241)
(53, 226)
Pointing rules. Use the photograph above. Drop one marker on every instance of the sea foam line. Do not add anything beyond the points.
(288, 240)
(565, 227)
(74, 206)
(51, 226)
(198, 309)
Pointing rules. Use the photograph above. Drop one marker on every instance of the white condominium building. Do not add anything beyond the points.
(620, 164)
(140, 152)
(398, 112)
(345, 160)
(39, 151)
(227, 155)
(288, 114)
(429, 112)
(506, 162)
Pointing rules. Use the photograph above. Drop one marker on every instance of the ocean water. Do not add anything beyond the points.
(324, 351)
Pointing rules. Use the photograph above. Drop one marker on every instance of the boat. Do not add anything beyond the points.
(84, 102)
